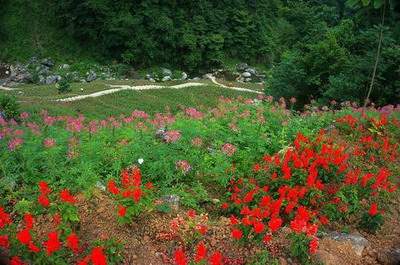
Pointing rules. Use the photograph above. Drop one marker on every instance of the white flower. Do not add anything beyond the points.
(140, 161)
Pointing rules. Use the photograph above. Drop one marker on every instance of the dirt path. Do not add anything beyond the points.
(117, 88)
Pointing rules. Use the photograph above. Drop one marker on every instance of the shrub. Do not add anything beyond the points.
(64, 86)
(9, 107)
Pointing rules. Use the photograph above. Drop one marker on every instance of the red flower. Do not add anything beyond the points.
(275, 223)
(201, 252)
(137, 194)
(202, 229)
(4, 218)
(43, 200)
(121, 211)
(313, 246)
(191, 213)
(112, 187)
(98, 257)
(67, 197)
(216, 258)
(53, 243)
(4, 243)
(267, 238)
(258, 227)
(73, 242)
(373, 210)
(225, 206)
(57, 219)
(180, 257)
(237, 233)
(149, 186)
(44, 188)
(16, 261)
(24, 236)
(32, 247)
(28, 218)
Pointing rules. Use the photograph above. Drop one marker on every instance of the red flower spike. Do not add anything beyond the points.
(43, 200)
(67, 197)
(4, 218)
(28, 219)
(52, 244)
(121, 211)
(16, 261)
(73, 242)
(258, 227)
(237, 233)
(216, 258)
(4, 242)
(98, 257)
(180, 257)
(373, 210)
(274, 224)
(24, 237)
(44, 188)
(112, 187)
(201, 252)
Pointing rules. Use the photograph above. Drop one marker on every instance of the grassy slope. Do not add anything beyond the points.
(35, 98)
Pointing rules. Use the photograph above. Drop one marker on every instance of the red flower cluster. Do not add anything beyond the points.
(216, 258)
(44, 190)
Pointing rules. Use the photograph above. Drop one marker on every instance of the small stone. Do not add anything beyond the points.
(246, 74)
(166, 78)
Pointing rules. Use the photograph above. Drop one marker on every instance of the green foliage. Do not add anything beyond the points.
(371, 223)
(9, 106)
(64, 86)
(299, 247)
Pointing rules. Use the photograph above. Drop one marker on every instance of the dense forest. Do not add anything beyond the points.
(324, 49)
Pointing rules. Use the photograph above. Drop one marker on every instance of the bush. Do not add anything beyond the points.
(64, 86)
(9, 107)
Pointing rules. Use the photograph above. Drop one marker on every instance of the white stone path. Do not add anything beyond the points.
(117, 88)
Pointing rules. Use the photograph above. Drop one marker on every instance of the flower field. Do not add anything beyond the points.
(250, 181)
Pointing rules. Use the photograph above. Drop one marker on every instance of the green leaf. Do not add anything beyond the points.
(366, 2)
(378, 3)
(353, 3)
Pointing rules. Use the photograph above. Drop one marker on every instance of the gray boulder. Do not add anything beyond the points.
(358, 242)
(166, 72)
(91, 76)
(65, 66)
(166, 78)
(184, 76)
(246, 74)
(52, 79)
(47, 62)
(242, 67)
(252, 71)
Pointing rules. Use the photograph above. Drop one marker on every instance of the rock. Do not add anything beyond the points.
(4, 71)
(65, 66)
(246, 74)
(390, 257)
(166, 72)
(357, 242)
(247, 80)
(47, 62)
(148, 76)
(166, 78)
(91, 76)
(172, 200)
(252, 71)
(327, 258)
(52, 79)
(184, 76)
(242, 67)
(152, 80)
(195, 78)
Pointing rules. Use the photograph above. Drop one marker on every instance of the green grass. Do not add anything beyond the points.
(35, 98)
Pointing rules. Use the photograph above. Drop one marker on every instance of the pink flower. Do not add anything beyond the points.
(228, 149)
(140, 114)
(24, 115)
(49, 142)
(197, 141)
(172, 136)
(183, 166)
(194, 113)
(15, 143)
